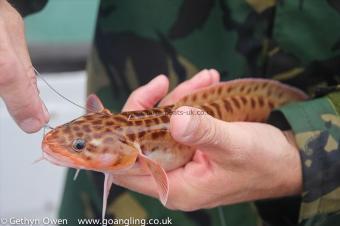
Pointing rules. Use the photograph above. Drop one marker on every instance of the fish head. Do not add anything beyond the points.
(90, 142)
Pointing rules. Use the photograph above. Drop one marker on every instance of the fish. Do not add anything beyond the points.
(140, 143)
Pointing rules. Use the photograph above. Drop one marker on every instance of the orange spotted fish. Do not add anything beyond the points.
(139, 142)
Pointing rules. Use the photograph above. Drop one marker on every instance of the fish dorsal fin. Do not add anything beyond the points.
(252, 87)
(94, 104)
(157, 173)
(106, 111)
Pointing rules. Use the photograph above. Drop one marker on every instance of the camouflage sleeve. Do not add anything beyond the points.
(28, 7)
(316, 126)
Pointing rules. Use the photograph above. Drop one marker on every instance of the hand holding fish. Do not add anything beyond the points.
(234, 161)
(18, 86)
(189, 160)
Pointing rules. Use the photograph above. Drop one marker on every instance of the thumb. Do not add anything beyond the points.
(18, 86)
(22, 99)
(195, 127)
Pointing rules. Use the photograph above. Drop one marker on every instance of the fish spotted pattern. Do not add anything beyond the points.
(139, 142)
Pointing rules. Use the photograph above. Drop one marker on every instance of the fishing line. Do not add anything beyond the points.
(58, 93)
(42, 157)
(55, 91)
(44, 131)
(46, 126)
(88, 109)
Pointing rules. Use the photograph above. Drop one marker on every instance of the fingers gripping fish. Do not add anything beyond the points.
(139, 142)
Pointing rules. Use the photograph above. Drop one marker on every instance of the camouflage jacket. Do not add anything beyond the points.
(296, 42)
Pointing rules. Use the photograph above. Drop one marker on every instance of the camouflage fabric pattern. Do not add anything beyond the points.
(296, 42)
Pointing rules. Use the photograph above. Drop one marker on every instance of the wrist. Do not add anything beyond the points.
(293, 184)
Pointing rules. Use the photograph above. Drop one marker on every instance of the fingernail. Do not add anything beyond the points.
(215, 75)
(30, 125)
(157, 77)
(201, 74)
(154, 82)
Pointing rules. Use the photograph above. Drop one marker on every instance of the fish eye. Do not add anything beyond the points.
(78, 144)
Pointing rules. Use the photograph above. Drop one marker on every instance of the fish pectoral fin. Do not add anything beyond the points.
(107, 187)
(159, 176)
(94, 104)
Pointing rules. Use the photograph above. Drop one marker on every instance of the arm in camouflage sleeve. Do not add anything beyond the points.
(316, 126)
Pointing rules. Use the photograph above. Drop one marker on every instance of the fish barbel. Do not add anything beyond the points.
(139, 142)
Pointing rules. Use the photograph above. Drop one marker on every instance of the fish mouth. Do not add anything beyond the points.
(58, 154)
(55, 159)
(51, 152)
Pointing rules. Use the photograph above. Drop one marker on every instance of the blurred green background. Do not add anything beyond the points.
(63, 21)
(60, 35)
